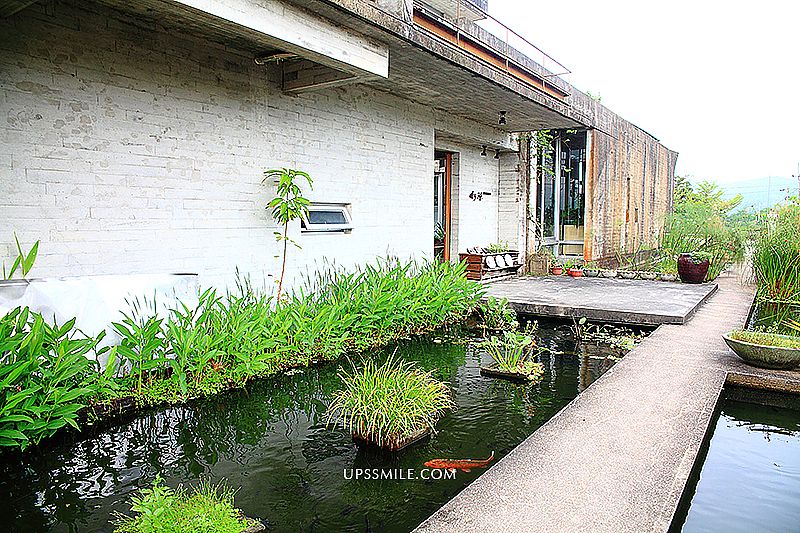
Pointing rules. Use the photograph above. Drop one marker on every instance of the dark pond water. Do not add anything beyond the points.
(750, 480)
(271, 442)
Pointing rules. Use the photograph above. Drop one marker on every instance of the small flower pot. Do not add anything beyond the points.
(556, 271)
(591, 272)
(627, 274)
(575, 272)
(690, 271)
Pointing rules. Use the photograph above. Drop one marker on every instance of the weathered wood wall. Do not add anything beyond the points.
(630, 181)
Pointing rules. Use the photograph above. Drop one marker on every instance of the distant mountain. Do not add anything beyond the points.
(761, 192)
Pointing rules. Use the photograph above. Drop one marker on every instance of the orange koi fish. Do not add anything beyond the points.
(465, 465)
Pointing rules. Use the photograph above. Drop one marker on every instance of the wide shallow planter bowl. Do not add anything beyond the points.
(591, 272)
(691, 272)
(650, 276)
(608, 273)
(575, 272)
(774, 357)
(667, 277)
(627, 274)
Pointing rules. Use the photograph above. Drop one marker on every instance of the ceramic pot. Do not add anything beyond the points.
(691, 272)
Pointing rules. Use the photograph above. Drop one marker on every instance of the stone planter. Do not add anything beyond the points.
(765, 356)
(691, 272)
(667, 277)
(606, 273)
(627, 274)
(591, 272)
(650, 276)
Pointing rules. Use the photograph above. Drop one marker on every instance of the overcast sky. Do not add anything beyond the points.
(716, 81)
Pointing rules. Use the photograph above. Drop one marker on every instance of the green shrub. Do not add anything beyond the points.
(46, 377)
(160, 509)
(765, 339)
(388, 403)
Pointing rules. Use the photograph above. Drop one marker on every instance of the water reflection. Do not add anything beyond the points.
(271, 441)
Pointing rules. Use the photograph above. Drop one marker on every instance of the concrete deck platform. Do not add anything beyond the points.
(617, 458)
(600, 299)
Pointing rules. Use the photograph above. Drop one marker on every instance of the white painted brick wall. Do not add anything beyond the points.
(128, 149)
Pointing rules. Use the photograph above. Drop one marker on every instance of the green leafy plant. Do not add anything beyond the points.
(438, 232)
(161, 509)
(513, 353)
(23, 262)
(498, 247)
(497, 314)
(46, 377)
(699, 257)
(286, 206)
(143, 343)
(388, 403)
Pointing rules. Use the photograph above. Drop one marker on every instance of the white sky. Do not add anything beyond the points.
(716, 81)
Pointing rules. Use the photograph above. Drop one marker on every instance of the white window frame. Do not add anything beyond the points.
(347, 227)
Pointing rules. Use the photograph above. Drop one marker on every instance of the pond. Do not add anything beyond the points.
(270, 441)
(750, 479)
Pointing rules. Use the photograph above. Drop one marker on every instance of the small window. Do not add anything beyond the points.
(328, 217)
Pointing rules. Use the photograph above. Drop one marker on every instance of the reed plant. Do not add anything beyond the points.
(388, 403)
(776, 267)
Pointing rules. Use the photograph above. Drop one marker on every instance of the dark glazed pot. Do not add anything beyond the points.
(691, 272)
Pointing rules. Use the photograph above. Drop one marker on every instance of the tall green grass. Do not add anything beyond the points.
(389, 403)
(221, 342)
(776, 267)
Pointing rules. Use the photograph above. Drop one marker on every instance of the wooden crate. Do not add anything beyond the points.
(477, 269)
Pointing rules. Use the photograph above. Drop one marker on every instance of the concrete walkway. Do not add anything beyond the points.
(605, 300)
(617, 458)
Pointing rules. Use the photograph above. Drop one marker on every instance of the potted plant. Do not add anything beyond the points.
(608, 273)
(556, 269)
(765, 350)
(591, 270)
(693, 266)
(574, 268)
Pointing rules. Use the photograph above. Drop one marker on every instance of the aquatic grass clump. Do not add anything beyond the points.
(763, 338)
(205, 509)
(389, 404)
(512, 353)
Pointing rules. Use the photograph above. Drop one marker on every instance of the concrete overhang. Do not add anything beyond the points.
(428, 69)
(265, 26)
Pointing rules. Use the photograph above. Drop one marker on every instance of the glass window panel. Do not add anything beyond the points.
(326, 216)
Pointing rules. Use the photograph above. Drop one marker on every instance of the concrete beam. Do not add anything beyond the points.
(299, 31)
(9, 7)
(304, 76)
